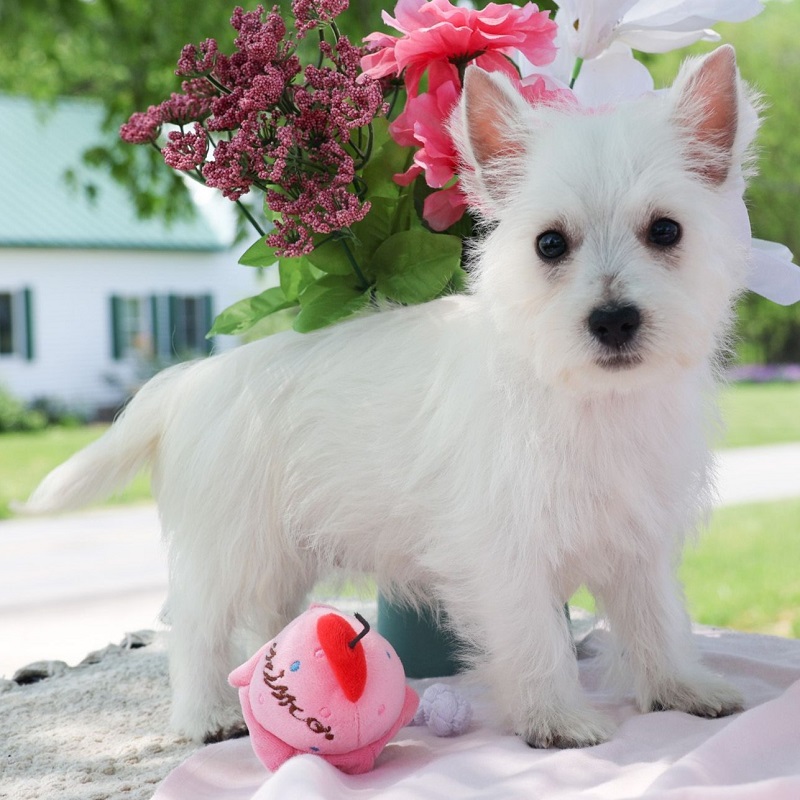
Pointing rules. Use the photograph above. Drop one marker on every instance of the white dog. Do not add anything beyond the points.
(492, 451)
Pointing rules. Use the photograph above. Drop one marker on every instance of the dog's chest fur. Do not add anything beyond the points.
(394, 465)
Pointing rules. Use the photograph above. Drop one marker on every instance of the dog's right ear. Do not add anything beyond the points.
(490, 126)
(716, 113)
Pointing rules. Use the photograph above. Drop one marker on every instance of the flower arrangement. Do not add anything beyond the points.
(351, 153)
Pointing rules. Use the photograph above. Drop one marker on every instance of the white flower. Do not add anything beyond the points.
(653, 26)
(614, 76)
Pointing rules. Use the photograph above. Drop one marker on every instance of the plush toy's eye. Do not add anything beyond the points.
(551, 245)
(664, 232)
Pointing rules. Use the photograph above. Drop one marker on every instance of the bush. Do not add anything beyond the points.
(58, 413)
(14, 416)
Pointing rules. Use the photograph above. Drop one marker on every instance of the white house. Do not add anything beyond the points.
(91, 296)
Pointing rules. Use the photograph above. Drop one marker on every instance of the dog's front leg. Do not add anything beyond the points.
(645, 608)
(531, 663)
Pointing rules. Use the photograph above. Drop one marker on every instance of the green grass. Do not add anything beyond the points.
(743, 573)
(760, 414)
(25, 458)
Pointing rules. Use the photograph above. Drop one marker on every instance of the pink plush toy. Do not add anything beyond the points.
(320, 687)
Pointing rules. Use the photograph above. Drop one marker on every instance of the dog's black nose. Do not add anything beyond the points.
(614, 326)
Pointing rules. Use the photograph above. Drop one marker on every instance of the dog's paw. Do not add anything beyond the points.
(577, 728)
(235, 731)
(208, 725)
(706, 697)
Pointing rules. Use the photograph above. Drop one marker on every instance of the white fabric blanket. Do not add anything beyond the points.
(669, 755)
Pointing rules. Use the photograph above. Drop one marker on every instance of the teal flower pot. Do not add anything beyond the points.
(426, 650)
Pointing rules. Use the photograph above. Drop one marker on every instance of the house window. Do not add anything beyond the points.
(16, 332)
(191, 319)
(164, 327)
(132, 327)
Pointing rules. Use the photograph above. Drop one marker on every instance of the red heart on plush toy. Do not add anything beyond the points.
(348, 664)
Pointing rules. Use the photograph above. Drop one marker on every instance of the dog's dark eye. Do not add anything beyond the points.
(664, 232)
(551, 245)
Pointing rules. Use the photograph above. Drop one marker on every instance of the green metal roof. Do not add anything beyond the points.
(38, 144)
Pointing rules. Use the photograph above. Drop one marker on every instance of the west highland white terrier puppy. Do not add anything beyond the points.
(492, 451)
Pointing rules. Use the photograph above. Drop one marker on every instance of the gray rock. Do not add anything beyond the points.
(39, 671)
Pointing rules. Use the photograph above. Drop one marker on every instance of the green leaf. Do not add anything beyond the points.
(329, 300)
(389, 160)
(243, 315)
(295, 275)
(415, 266)
(332, 258)
(373, 230)
(380, 132)
(458, 281)
(259, 254)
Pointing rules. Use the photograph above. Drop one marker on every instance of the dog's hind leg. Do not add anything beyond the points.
(201, 656)
(279, 597)
(219, 617)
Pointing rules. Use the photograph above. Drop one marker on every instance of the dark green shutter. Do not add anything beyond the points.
(174, 314)
(27, 303)
(117, 344)
(154, 325)
(208, 321)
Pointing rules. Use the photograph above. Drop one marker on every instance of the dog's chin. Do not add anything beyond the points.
(617, 362)
(623, 371)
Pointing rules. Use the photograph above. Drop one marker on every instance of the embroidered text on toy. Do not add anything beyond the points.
(281, 693)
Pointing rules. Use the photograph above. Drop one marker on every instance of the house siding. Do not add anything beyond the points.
(71, 321)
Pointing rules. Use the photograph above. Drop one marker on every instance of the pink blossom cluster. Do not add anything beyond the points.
(193, 105)
(442, 39)
(309, 14)
(264, 121)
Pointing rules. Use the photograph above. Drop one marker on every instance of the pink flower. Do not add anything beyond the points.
(186, 151)
(310, 14)
(423, 125)
(445, 208)
(436, 31)
(143, 127)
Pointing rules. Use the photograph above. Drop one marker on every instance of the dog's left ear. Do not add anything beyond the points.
(712, 109)
(490, 126)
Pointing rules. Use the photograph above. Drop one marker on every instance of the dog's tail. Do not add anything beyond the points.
(110, 463)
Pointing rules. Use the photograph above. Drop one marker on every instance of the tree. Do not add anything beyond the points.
(768, 58)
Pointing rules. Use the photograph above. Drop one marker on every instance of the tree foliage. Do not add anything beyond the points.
(768, 57)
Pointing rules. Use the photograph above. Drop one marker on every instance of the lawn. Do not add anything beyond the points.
(743, 572)
(761, 413)
(25, 458)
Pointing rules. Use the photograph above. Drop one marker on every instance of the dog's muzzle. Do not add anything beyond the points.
(615, 328)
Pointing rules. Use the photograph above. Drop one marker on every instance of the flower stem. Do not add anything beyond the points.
(217, 85)
(576, 70)
(354, 264)
(370, 142)
(321, 54)
(250, 218)
(393, 101)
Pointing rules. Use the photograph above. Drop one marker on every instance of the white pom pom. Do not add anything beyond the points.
(445, 709)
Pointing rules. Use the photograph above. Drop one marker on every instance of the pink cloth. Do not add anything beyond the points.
(669, 755)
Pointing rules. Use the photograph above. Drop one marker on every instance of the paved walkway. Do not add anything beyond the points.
(73, 583)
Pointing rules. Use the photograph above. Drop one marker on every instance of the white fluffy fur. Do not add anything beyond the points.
(469, 450)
